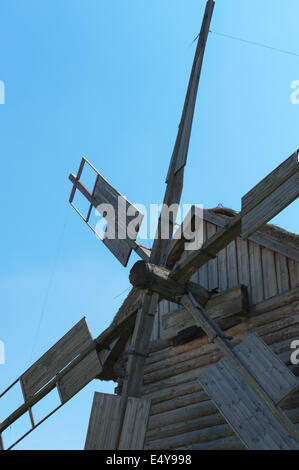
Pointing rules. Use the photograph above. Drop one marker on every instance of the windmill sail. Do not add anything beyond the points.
(122, 217)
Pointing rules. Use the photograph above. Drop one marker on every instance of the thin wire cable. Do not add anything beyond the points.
(50, 283)
(126, 290)
(258, 44)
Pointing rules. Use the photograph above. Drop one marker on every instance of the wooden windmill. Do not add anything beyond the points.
(249, 383)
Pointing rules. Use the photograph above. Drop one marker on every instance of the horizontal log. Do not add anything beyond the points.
(227, 443)
(185, 426)
(187, 376)
(182, 414)
(179, 402)
(193, 437)
(157, 279)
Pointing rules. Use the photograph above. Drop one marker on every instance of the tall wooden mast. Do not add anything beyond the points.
(145, 317)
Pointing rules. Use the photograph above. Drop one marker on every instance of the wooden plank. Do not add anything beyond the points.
(282, 273)
(243, 263)
(256, 273)
(55, 359)
(120, 246)
(155, 330)
(232, 265)
(72, 382)
(272, 374)
(293, 273)
(272, 181)
(269, 207)
(103, 423)
(231, 302)
(222, 270)
(212, 265)
(244, 410)
(203, 271)
(269, 273)
(135, 424)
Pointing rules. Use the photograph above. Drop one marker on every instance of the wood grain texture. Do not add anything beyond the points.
(272, 181)
(56, 358)
(269, 273)
(269, 207)
(135, 424)
(103, 423)
(256, 273)
(240, 405)
(72, 382)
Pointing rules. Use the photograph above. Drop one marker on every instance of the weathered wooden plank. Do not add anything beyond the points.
(203, 271)
(271, 373)
(222, 270)
(232, 265)
(175, 429)
(271, 181)
(256, 273)
(103, 423)
(135, 424)
(293, 273)
(240, 405)
(243, 263)
(269, 207)
(156, 327)
(269, 273)
(226, 443)
(231, 302)
(72, 382)
(191, 437)
(56, 358)
(212, 264)
(282, 274)
(179, 156)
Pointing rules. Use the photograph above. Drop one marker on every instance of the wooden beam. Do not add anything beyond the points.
(157, 279)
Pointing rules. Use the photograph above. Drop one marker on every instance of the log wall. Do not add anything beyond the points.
(182, 415)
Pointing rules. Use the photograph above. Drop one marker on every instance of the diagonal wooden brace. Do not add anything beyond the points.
(217, 336)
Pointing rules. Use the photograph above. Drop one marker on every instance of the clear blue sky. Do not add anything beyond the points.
(107, 80)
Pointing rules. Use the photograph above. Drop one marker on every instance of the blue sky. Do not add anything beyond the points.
(107, 80)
